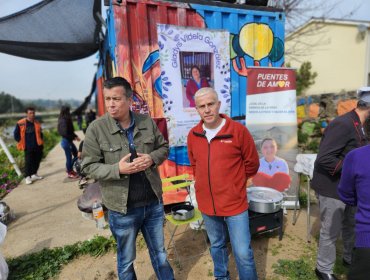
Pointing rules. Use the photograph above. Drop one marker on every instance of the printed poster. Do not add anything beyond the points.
(191, 58)
(271, 117)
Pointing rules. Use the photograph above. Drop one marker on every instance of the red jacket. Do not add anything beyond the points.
(222, 168)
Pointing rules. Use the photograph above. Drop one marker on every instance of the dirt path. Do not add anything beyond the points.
(47, 216)
(267, 250)
(46, 211)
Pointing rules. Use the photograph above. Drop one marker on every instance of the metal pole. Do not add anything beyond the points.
(10, 157)
(308, 210)
(295, 216)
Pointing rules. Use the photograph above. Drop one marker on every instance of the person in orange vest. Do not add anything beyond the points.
(28, 134)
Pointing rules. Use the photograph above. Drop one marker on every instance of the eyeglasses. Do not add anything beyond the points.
(204, 107)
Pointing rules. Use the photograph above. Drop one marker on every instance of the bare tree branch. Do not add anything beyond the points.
(298, 13)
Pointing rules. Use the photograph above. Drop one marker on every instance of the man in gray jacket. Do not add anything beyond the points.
(122, 150)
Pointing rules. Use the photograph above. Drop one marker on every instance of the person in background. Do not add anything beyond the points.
(83, 179)
(90, 117)
(122, 150)
(79, 121)
(28, 134)
(194, 83)
(66, 130)
(342, 135)
(223, 156)
(354, 190)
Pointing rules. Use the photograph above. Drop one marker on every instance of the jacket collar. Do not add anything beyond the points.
(355, 117)
(113, 128)
(198, 129)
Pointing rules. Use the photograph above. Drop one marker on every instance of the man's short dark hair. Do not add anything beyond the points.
(362, 105)
(119, 82)
(268, 139)
(30, 109)
(364, 98)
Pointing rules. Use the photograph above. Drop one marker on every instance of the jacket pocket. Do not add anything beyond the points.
(111, 152)
(148, 143)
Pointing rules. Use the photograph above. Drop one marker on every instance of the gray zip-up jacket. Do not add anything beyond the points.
(104, 146)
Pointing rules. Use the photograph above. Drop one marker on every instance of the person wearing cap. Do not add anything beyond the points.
(342, 135)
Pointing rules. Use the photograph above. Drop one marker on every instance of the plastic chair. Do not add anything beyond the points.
(179, 183)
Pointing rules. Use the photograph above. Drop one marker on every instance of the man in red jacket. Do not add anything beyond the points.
(223, 156)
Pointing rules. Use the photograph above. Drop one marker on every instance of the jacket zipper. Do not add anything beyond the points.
(209, 176)
(209, 160)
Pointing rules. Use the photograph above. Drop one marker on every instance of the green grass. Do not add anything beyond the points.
(276, 249)
(304, 267)
(51, 138)
(49, 262)
(8, 177)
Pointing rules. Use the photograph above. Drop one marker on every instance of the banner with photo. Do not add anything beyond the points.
(191, 59)
(271, 117)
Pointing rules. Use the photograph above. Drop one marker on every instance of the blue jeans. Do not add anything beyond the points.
(125, 227)
(70, 150)
(238, 227)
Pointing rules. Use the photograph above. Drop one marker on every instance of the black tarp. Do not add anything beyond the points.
(53, 30)
(80, 110)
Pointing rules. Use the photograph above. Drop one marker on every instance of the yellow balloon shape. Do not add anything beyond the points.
(256, 40)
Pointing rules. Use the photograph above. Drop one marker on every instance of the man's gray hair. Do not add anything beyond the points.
(204, 91)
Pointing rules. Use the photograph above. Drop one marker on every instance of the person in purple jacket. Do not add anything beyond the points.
(354, 190)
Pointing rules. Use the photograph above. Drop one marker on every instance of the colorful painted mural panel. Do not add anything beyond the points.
(131, 50)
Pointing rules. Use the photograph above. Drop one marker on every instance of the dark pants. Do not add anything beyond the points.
(360, 268)
(32, 161)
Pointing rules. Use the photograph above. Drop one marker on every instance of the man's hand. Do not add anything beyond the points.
(127, 167)
(143, 161)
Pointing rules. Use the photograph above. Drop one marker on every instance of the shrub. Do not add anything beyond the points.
(9, 179)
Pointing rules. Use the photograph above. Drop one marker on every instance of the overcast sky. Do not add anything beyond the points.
(31, 79)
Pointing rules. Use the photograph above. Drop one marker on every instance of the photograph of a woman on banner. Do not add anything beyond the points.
(195, 73)
(273, 171)
(194, 83)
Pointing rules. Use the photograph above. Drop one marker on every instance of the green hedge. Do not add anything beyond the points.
(8, 177)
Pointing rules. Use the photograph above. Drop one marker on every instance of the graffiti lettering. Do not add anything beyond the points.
(186, 38)
(175, 52)
(192, 36)
(208, 41)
